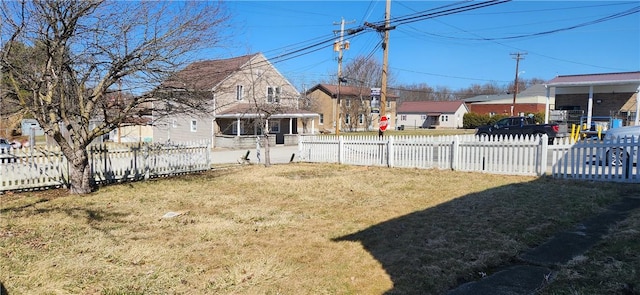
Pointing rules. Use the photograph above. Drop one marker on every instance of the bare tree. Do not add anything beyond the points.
(92, 49)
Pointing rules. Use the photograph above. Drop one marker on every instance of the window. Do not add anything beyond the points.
(273, 94)
(234, 128)
(444, 118)
(274, 126)
(403, 117)
(388, 103)
(347, 119)
(361, 119)
(239, 92)
(194, 125)
(423, 117)
(348, 103)
(321, 120)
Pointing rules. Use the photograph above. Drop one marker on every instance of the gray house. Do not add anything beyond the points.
(245, 92)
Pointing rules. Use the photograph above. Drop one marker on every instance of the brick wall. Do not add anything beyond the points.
(506, 108)
(608, 102)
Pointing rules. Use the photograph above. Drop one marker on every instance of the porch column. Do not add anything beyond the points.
(546, 105)
(313, 127)
(637, 121)
(590, 107)
(238, 125)
(290, 125)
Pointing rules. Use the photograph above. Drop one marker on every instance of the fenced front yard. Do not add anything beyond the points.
(47, 167)
(590, 159)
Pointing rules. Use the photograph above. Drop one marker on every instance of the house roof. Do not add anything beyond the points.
(538, 90)
(205, 75)
(596, 79)
(430, 107)
(346, 90)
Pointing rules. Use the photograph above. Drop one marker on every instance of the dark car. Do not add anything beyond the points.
(519, 126)
(5, 146)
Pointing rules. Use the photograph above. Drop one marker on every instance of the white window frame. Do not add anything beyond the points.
(403, 117)
(347, 119)
(274, 126)
(193, 126)
(361, 119)
(239, 92)
(423, 117)
(273, 94)
(321, 119)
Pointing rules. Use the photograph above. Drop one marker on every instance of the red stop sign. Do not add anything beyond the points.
(384, 122)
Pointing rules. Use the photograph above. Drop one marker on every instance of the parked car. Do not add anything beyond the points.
(5, 146)
(615, 156)
(518, 126)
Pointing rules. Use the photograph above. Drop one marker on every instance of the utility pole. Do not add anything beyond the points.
(338, 46)
(385, 60)
(517, 56)
(385, 57)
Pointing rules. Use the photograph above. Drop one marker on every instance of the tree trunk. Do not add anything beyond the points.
(267, 153)
(80, 177)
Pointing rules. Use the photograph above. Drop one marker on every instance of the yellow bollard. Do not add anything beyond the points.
(599, 132)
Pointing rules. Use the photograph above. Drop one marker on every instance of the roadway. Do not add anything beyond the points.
(280, 154)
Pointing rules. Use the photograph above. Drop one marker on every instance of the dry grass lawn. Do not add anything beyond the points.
(291, 229)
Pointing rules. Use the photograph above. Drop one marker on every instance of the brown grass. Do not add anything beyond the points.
(287, 229)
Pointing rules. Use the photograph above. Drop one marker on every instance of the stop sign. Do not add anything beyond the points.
(384, 122)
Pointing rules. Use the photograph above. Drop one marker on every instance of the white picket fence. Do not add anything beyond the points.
(499, 155)
(47, 167)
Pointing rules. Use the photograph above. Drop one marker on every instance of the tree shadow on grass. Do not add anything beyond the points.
(434, 250)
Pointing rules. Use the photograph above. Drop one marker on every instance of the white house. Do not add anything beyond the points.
(431, 114)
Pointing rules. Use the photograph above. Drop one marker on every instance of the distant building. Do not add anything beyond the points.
(358, 110)
(531, 100)
(599, 96)
(31, 124)
(432, 114)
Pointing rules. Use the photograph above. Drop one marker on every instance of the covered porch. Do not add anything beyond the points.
(240, 130)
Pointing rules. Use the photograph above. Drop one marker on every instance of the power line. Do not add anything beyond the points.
(448, 76)
(584, 24)
(402, 20)
(519, 49)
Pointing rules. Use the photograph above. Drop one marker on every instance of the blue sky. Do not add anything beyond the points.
(472, 47)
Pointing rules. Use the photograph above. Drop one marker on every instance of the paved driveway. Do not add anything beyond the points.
(279, 155)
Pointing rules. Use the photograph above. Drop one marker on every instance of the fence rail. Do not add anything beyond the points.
(589, 159)
(47, 167)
